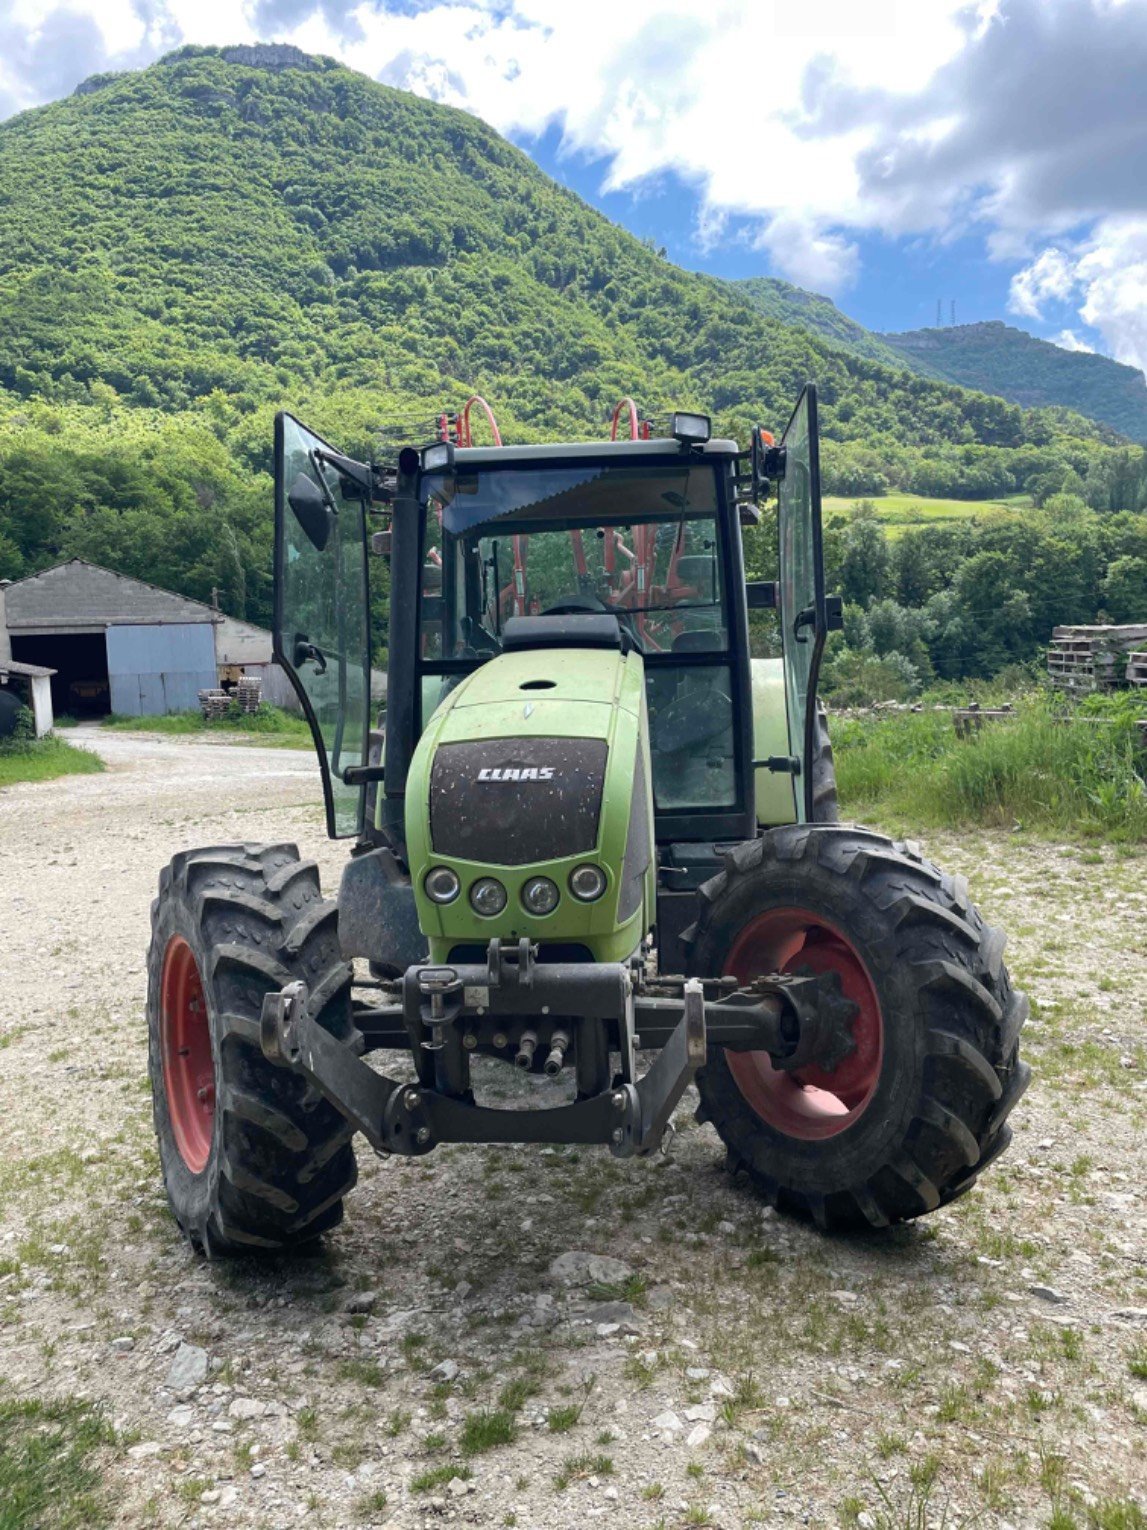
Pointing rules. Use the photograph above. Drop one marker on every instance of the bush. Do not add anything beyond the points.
(860, 678)
(22, 739)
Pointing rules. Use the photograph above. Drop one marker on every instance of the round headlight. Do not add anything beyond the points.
(441, 885)
(539, 896)
(487, 896)
(587, 882)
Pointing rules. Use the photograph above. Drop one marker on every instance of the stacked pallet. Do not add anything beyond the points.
(214, 703)
(249, 693)
(1092, 658)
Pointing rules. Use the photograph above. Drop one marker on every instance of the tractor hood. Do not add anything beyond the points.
(537, 764)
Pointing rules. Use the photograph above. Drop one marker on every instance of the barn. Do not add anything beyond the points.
(118, 644)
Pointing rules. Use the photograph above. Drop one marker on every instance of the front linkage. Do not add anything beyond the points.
(444, 1014)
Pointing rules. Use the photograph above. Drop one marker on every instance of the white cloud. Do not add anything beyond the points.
(1051, 276)
(821, 261)
(1068, 340)
(1105, 275)
(1113, 277)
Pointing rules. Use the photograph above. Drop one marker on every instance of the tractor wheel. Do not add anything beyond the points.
(825, 804)
(919, 1106)
(252, 1157)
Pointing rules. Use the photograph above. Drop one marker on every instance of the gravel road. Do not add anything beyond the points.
(457, 1355)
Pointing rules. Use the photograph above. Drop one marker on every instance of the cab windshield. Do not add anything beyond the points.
(641, 543)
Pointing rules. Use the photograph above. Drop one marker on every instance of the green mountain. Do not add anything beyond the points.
(810, 310)
(997, 358)
(187, 248)
(991, 358)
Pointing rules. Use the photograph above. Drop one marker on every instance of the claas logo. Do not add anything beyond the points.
(515, 773)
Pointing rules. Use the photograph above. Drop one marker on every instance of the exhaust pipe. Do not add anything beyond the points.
(558, 1044)
(524, 1057)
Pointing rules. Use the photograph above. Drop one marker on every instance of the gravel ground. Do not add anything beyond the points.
(455, 1355)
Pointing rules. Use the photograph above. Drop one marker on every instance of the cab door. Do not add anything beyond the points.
(321, 631)
(801, 595)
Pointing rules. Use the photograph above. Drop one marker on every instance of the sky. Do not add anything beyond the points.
(888, 153)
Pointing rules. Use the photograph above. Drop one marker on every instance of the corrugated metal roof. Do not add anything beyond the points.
(81, 594)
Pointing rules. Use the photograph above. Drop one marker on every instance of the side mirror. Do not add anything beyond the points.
(767, 461)
(762, 595)
(311, 510)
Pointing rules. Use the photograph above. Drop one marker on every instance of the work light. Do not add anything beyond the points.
(438, 458)
(691, 427)
(539, 896)
(587, 882)
(487, 897)
(441, 885)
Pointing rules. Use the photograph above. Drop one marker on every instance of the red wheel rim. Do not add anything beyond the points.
(813, 1104)
(188, 1067)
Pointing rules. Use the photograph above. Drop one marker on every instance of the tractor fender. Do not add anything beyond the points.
(377, 915)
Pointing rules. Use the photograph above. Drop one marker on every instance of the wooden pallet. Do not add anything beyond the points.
(1091, 658)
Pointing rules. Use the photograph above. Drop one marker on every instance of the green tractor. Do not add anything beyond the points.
(594, 839)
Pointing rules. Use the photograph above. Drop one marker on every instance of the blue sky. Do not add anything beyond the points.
(898, 280)
(886, 153)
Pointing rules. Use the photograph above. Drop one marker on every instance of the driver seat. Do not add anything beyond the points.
(566, 630)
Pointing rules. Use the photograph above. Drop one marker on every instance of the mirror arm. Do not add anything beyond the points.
(360, 474)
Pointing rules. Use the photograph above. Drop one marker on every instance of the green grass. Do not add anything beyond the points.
(1048, 776)
(577, 1468)
(44, 759)
(898, 513)
(438, 1476)
(487, 1429)
(270, 724)
(49, 1479)
(560, 1420)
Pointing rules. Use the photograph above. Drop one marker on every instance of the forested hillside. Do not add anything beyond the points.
(991, 357)
(782, 300)
(185, 249)
(1001, 359)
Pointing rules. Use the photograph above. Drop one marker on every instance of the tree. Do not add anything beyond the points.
(866, 564)
(1125, 590)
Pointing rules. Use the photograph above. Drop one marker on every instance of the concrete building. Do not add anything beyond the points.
(116, 644)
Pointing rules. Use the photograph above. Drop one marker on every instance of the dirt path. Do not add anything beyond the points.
(732, 1369)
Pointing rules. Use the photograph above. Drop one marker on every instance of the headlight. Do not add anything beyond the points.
(441, 885)
(487, 896)
(539, 896)
(587, 882)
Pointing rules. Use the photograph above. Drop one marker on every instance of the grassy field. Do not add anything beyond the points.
(43, 759)
(1049, 771)
(271, 726)
(901, 512)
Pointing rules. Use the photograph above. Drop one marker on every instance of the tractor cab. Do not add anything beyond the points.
(490, 547)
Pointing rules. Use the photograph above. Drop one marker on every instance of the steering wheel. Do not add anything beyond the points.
(578, 605)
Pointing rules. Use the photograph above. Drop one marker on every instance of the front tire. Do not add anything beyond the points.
(252, 1157)
(918, 1108)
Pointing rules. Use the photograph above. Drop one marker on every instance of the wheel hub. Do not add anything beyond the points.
(814, 1102)
(188, 1064)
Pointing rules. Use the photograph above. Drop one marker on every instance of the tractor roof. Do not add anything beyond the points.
(613, 451)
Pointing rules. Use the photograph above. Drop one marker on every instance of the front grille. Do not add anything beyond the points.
(514, 802)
